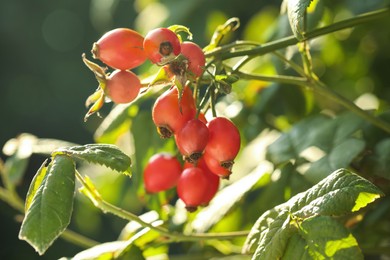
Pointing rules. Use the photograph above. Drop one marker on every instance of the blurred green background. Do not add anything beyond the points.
(44, 84)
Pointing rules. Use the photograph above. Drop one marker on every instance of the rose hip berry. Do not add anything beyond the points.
(161, 173)
(121, 48)
(192, 187)
(161, 45)
(122, 86)
(195, 57)
(223, 145)
(170, 115)
(213, 180)
(192, 139)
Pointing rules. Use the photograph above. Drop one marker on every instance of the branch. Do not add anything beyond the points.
(90, 191)
(228, 51)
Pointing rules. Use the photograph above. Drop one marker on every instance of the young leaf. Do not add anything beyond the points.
(103, 154)
(340, 193)
(49, 212)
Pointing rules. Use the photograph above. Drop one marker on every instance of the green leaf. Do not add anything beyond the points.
(337, 158)
(103, 154)
(328, 239)
(274, 238)
(339, 194)
(49, 212)
(320, 141)
(378, 162)
(35, 184)
(296, 249)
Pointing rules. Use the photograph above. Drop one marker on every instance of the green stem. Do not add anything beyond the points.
(106, 207)
(12, 200)
(292, 64)
(324, 91)
(228, 51)
(279, 78)
(77, 239)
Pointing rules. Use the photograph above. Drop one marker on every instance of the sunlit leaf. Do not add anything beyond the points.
(103, 154)
(49, 212)
(326, 238)
(339, 194)
(36, 184)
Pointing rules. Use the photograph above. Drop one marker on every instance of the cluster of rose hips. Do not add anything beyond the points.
(208, 148)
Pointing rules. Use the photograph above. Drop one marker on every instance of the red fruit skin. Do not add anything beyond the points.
(161, 173)
(215, 166)
(154, 39)
(195, 56)
(192, 138)
(224, 139)
(121, 48)
(213, 180)
(166, 110)
(192, 187)
(122, 86)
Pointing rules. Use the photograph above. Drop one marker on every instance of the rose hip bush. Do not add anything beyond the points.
(216, 170)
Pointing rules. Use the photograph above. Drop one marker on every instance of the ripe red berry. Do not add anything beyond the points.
(195, 57)
(223, 145)
(192, 139)
(170, 115)
(192, 187)
(161, 45)
(121, 48)
(122, 86)
(213, 180)
(215, 166)
(161, 173)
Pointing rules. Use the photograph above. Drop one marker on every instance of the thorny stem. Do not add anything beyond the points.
(106, 207)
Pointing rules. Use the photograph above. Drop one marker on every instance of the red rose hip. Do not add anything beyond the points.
(192, 139)
(169, 115)
(195, 57)
(161, 45)
(161, 173)
(121, 48)
(122, 86)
